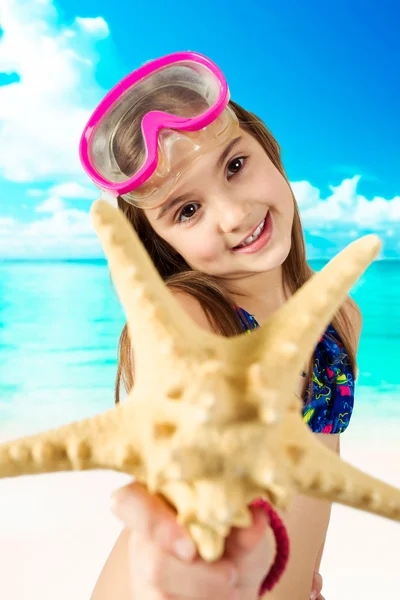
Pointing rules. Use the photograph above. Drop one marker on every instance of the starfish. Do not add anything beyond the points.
(212, 423)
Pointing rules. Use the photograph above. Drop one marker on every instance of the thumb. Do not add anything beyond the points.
(152, 517)
(242, 540)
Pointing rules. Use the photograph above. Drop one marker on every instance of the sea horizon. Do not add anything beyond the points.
(60, 322)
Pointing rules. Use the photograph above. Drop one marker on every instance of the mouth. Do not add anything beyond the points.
(257, 239)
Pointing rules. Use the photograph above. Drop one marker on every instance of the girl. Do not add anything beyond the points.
(202, 182)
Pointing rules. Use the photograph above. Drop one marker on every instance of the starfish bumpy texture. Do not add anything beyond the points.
(212, 423)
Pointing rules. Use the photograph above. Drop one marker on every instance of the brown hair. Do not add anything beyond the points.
(208, 290)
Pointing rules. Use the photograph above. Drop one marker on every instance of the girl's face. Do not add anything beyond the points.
(219, 201)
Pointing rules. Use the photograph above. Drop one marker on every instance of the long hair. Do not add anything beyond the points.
(176, 273)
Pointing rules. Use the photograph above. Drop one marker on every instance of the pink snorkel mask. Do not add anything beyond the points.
(195, 92)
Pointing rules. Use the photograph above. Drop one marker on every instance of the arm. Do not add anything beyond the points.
(321, 550)
(300, 528)
(307, 522)
(113, 581)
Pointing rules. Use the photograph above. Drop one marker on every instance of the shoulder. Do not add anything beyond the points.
(193, 308)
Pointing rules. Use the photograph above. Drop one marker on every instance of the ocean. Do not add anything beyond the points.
(60, 323)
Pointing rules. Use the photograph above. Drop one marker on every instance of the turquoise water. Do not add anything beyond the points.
(60, 324)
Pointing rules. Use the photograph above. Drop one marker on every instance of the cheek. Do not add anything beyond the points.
(190, 244)
(281, 196)
(203, 253)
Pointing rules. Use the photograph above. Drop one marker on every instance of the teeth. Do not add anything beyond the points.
(253, 237)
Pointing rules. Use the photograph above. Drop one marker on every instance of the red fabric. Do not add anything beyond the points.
(329, 372)
(344, 390)
(327, 428)
(282, 546)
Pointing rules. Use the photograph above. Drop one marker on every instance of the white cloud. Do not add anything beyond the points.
(344, 207)
(67, 189)
(64, 223)
(306, 195)
(65, 233)
(74, 190)
(42, 116)
(60, 232)
(54, 204)
(7, 223)
(96, 26)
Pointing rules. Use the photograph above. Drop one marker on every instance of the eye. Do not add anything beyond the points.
(236, 164)
(187, 212)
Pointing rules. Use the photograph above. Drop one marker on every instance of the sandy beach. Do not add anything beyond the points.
(56, 532)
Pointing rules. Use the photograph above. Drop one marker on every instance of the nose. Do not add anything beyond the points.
(231, 214)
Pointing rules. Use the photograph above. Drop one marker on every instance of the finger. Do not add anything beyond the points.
(159, 570)
(153, 518)
(242, 540)
(317, 584)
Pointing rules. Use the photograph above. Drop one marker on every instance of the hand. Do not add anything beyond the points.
(163, 561)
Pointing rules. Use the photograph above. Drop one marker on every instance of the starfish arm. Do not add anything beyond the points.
(99, 442)
(160, 330)
(317, 471)
(288, 339)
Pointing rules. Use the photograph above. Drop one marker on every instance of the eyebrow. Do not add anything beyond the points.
(186, 196)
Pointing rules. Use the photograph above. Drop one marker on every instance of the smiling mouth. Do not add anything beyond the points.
(254, 236)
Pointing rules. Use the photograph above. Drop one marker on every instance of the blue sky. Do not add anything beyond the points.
(324, 79)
